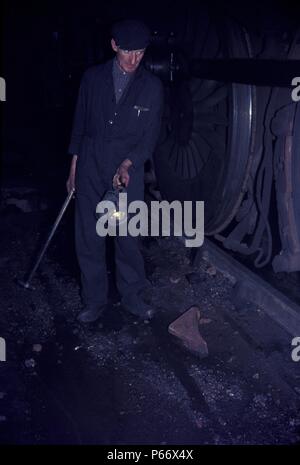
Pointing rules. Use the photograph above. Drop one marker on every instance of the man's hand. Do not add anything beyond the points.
(122, 176)
(71, 179)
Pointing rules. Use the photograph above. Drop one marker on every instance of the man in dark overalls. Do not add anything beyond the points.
(116, 126)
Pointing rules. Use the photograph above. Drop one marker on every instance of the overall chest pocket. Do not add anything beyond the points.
(137, 117)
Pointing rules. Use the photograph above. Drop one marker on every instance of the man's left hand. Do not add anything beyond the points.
(122, 178)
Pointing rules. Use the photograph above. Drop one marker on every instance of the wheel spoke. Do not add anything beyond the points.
(178, 158)
(204, 149)
(173, 152)
(206, 87)
(188, 162)
(214, 142)
(196, 157)
(215, 97)
(209, 119)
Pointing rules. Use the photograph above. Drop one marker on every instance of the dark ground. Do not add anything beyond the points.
(129, 383)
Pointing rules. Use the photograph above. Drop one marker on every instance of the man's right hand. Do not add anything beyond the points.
(71, 179)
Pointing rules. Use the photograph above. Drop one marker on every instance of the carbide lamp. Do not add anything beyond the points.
(115, 210)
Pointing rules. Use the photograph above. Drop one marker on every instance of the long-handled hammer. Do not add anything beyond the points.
(26, 282)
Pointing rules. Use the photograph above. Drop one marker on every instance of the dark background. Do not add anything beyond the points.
(46, 46)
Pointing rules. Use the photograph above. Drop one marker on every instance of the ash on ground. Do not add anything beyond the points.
(128, 382)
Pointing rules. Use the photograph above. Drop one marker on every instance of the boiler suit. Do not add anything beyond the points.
(106, 132)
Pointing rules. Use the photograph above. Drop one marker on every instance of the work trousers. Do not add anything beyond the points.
(91, 254)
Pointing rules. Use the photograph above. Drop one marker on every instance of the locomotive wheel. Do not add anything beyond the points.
(208, 135)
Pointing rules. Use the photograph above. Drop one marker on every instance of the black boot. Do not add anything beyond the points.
(91, 313)
(135, 304)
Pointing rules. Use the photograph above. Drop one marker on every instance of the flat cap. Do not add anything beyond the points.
(131, 34)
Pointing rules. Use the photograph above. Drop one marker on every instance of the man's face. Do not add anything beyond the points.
(128, 60)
